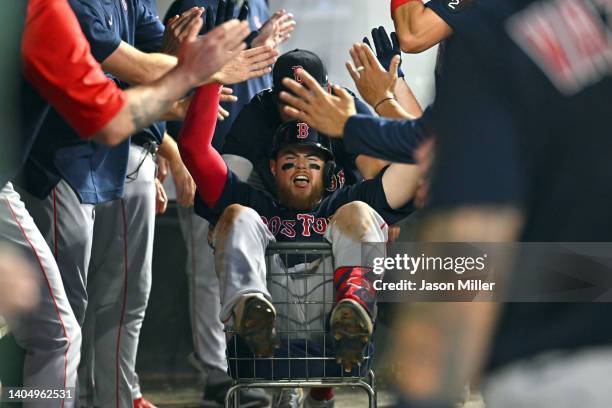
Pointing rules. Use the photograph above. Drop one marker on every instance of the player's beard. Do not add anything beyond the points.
(303, 203)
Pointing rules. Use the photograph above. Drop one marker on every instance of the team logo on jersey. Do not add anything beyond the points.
(302, 130)
(567, 39)
(297, 76)
(124, 4)
(308, 223)
(456, 6)
(337, 181)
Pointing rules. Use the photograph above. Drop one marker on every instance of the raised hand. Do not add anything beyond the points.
(311, 104)
(178, 29)
(276, 30)
(387, 47)
(200, 58)
(248, 64)
(374, 83)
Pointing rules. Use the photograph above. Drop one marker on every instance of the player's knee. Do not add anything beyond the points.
(63, 339)
(233, 216)
(355, 219)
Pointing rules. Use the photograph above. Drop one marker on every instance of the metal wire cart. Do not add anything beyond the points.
(303, 296)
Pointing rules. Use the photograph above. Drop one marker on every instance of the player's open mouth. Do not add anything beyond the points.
(301, 181)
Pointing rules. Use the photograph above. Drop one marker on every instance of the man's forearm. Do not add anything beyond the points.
(441, 346)
(419, 28)
(392, 109)
(136, 67)
(169, 150)
(406, 99)
(204, 163)
(145, 104)
(405, 105)
(158, 65)
(391, 140)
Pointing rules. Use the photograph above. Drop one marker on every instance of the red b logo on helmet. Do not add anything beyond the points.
(302, 132)
(297, 76)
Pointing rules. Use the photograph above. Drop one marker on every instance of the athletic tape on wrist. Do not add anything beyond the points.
(398, 3)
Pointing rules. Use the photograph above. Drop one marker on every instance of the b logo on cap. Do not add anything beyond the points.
(302, 132)
(297, 76)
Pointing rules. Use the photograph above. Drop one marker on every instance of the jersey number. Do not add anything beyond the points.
(453, 4)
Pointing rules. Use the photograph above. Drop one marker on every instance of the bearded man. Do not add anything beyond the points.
(248, 219)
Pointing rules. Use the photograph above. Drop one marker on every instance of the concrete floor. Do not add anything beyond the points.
(186, 393)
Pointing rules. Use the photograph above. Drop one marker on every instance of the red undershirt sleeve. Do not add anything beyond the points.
(58, 62)
(203, 162)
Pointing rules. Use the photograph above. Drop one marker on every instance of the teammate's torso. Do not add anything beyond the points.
(96, 172)
(548, 69)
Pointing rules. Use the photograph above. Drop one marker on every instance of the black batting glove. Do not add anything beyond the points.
(244, 11)
(225, 12)
(386, 48)
(209, 20)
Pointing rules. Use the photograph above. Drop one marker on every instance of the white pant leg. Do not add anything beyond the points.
(120, 283)
(360, 242)
(50, 333)
(240, 259)
(204, 296)
(67, 226)
(302, 296)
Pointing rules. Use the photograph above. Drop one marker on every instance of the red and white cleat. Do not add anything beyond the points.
(143, 403)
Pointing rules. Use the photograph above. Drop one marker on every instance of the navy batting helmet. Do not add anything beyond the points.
(295, 133)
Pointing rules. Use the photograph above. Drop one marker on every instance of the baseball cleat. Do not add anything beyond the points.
(352, 329)
(143, 403)
(256, 327)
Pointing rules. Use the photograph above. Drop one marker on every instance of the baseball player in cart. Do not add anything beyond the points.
(300, 163)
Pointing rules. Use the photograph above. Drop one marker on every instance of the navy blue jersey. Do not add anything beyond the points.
(298, 226)
(524, 122)
(458, 14)
(33, 110)
(11, 155)
(253, 131)
(387, 139)
(96, 172)
(245, 91)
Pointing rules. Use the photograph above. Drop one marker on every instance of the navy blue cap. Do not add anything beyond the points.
(295, 133)
(289, 62)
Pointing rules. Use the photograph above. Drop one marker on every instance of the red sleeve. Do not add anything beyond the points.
(59, 64)
(203, 162)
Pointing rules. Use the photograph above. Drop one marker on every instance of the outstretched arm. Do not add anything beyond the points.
(418, 27)
(202, 160)
(335, 116)
(389, 95)
(393, 140)
(58, 62)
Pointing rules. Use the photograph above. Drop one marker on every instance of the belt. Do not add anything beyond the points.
(149, 145)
